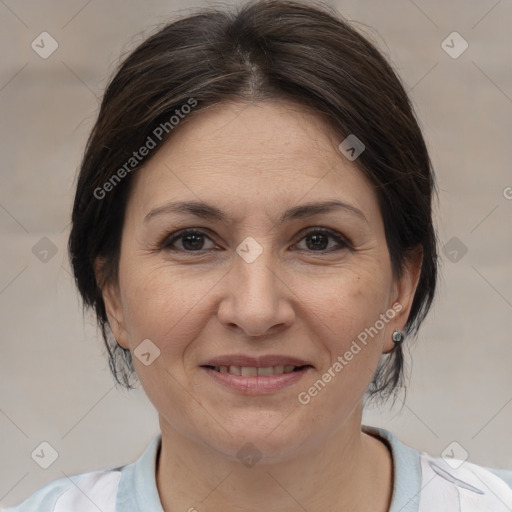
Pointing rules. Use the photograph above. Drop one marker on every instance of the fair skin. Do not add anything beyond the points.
(303, 296)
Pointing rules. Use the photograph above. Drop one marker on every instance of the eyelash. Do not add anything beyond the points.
(170, 239)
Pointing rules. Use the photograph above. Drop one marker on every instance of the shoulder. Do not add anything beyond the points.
(504, 474)
(424, 483)
(86, 492)
(464, 485)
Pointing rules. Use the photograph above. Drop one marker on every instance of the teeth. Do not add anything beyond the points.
(248, 371)
(251, 371)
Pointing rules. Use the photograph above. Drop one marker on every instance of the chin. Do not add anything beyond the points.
(264, 442)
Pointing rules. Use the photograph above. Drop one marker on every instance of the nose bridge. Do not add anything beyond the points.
(253, 271)
(256, 299)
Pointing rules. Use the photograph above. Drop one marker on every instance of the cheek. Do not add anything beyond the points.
(353, 299)
(351, 331)
(163, 304)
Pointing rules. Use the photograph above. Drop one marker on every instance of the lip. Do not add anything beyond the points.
(258, 385)
(256, 362)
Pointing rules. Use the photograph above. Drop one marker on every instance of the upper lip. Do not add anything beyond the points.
(257, 362)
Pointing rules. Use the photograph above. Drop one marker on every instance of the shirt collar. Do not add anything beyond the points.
(406, 471)
(138, 489)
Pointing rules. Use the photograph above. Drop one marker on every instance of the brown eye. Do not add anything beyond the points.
(188, 241)
(318, 240)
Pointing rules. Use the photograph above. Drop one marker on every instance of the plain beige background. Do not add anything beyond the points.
(56, 386)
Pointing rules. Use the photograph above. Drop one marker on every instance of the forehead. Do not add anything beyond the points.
(249, 153)
(269, 130)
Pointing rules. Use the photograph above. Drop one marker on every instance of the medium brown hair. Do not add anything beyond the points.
(277, 49)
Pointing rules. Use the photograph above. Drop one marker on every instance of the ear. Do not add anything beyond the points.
(402, 295)
(113, 305)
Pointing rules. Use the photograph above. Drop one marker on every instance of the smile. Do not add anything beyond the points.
(251, 380)
(252, 371)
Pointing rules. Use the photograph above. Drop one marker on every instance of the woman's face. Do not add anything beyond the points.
(262, 277)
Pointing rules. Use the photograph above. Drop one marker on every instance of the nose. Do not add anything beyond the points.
(257, 299)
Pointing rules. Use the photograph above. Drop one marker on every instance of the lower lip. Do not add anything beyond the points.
(259, 385)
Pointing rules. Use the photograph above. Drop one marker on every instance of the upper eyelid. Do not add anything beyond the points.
(173, 237)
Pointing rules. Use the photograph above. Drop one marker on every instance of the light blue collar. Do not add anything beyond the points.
(138, 490)
(406, 472)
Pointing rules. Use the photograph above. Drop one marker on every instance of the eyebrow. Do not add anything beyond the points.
(207, 211)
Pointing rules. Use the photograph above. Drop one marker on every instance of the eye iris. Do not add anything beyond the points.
(196, 240)
(316, 238)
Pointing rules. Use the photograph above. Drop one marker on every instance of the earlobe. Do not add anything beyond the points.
(113, 306)
(403, 294)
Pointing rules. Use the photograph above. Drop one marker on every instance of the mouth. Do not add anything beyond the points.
(247, 375)
(254, 371)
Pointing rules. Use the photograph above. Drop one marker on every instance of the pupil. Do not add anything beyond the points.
(316, 238)
(197, 242)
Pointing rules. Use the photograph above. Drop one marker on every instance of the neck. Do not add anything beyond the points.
(349, 471)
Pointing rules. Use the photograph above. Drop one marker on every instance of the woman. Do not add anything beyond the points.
(253, 228)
